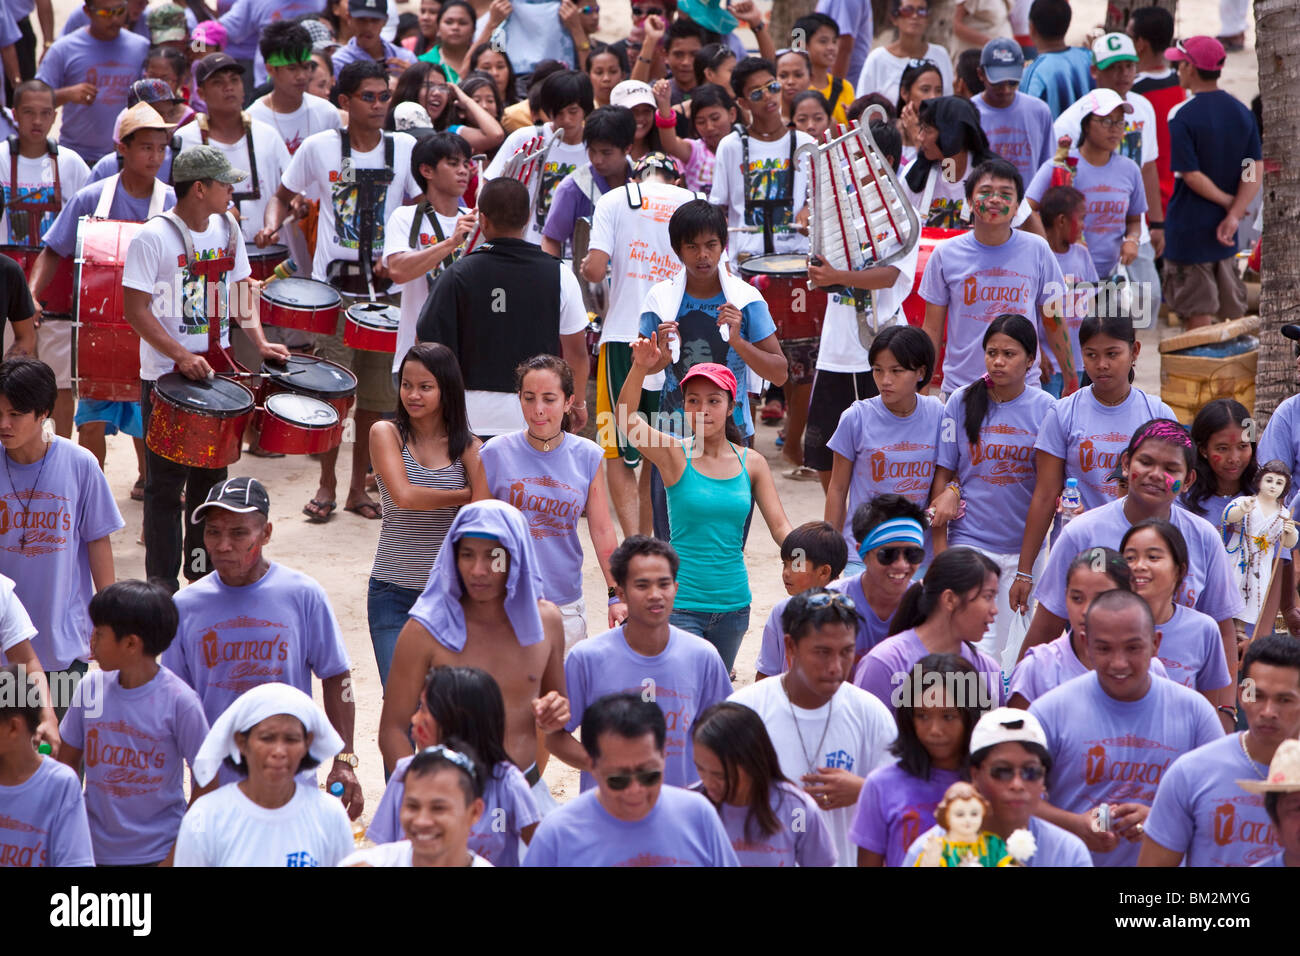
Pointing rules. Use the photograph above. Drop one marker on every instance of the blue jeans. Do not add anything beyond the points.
(387, 607)
(724, 631)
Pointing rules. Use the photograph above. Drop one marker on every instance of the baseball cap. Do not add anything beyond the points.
(631, 93)
(368, 8)
(1006, 725)
(1204, 53)
(409, 116)
(214, 63)
(167, 24)
(239, 495)
(1002, 60)
(655, 160)
(719, 375)
(1111, 48)
(316, 30)
(205, 162)
(208, 34)
(141, 116)
(1103, 102)
(151, 91)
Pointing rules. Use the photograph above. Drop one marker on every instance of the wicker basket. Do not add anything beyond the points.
(1189, 382)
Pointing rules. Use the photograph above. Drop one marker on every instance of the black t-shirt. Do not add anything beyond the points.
(15, 301)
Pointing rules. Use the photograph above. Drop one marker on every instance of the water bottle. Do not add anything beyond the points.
(1070, 499)
(358, 828)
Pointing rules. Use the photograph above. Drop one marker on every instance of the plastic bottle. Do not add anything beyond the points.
(358, 828)
(1070, 499)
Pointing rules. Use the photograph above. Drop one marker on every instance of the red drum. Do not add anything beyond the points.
(303, 304)
(298, 425)
(263, 261)
(106, 350)
(315, 378)
(200, 424)
(783, 280)
(372, 327)
(914, 305)
(57, 298)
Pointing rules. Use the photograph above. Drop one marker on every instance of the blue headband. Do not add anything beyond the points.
(904, 530)
(482, 535)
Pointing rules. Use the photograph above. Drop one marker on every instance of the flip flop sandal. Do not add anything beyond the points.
(324, 510)
(137, 491)
(367, 509)
(802, 473)
(257, 451)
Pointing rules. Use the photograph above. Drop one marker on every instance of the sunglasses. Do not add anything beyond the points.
(443, 88)
(639, 12)
(911, 554)
(621, 781)
(1029, 772)
(589, 9)
(383, 97)
(108, 13)
(756, 96)
(827, 598)
(908, 12)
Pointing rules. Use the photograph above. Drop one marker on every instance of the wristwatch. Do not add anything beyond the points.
(347, 758)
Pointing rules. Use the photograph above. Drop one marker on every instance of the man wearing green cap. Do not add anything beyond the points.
(171, 309)
(167, 27)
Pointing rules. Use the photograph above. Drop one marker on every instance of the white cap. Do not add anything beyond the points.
(1111, 48)
(1007, 725)
(1103, 102)
(632, 93)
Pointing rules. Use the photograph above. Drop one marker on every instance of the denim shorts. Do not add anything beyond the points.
(724, 630)
(387, 608)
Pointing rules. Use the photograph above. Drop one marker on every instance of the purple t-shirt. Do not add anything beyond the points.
(508, 807)
(1209, 586)
(1213, 507)
(111, 66)
(1090, 437)
(62, 235)
(895, 808)
(681, 829)
(871, 629)
(888, 453)
(808, 844)
(1110, 751)
(1191, 648)
(997, 475)
(352, 53)
(977, 283)
(1050, 665)
(570, 202)
(246, 18)
(134, 752)
(59, 511)
(550, 489)
(1021, 134)
(43, 820)
(1112, 191)
(888, 671)
(1201, 812)
(1076, 266)
(685, 678)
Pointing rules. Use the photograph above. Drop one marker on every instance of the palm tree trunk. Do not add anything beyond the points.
(784, 13)
(1277, 38)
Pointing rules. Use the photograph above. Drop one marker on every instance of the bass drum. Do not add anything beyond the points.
(105, 349)
(56, 300)
(198, 423)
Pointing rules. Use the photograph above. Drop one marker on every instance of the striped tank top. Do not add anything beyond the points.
(409, 540)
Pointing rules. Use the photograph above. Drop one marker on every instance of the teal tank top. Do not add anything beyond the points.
(707, 519)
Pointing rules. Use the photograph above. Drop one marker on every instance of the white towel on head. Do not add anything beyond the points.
(249, 710)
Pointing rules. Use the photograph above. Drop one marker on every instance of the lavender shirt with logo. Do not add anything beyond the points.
(802, 839)
(550, 489)
(1113, 192)
(871, 629)
(1021, 133)
(997, 475)
(1076, 266)
(895, 808)
(134, 753)
(1110, 751)
(685, 678)
(1191, 648)
(43, 820)
(1046, 666)
(889, 671)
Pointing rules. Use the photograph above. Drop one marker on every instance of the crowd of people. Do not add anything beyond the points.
(1035, 596)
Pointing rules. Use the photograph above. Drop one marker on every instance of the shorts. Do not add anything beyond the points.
(612, 367)
(374, 370)
(832, 394)
(115, 415)
(575, 622)
(1205, 288)
(54, 348)
(801, 354)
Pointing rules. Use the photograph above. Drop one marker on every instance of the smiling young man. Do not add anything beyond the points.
(1113, 733)
(631, 818)
(1019, 127)
(828, 734)
(253, 621)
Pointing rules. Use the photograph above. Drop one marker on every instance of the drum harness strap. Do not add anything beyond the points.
(105, 205)
(769, 206)
(214, 269)
(201, 121)
(368, 183)
(26, 203)
(424, 211)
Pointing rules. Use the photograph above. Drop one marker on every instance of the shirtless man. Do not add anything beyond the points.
(481, 609)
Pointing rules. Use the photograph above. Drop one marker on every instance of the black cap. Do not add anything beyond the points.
(213, 63)
(368, 8)
(240, 495)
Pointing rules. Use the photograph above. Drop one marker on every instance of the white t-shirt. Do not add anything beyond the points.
(225, 828)
(495, 413)
(395, 854)
(272, 160)
(768, 177)
(636, 240)
(561, 160)
(152, 266)
(313, 116)
(15, 624)
(882, 72)
(856, 730)
(316, 171)
(36, 176)
(397, 239)
(841, 349)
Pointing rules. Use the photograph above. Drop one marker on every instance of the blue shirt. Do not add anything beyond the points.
(1058, 78)
(352, 53)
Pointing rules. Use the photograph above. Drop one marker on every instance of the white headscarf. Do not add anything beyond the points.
(249, 710)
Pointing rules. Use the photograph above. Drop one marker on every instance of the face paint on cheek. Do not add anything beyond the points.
(1174, 485)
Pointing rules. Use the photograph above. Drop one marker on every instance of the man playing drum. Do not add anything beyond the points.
(172, 308)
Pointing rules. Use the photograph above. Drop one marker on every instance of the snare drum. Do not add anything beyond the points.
(783, 280)
(106, 350)
(301, 304)
(298, 425)
(56, 300)
(199, 424)
(263, 261)
(372, 327)
(315, 378)
(914, 305)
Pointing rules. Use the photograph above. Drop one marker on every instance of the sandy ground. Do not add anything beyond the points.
(339, 554)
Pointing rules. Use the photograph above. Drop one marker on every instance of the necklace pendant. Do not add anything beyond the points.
(546, 446)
